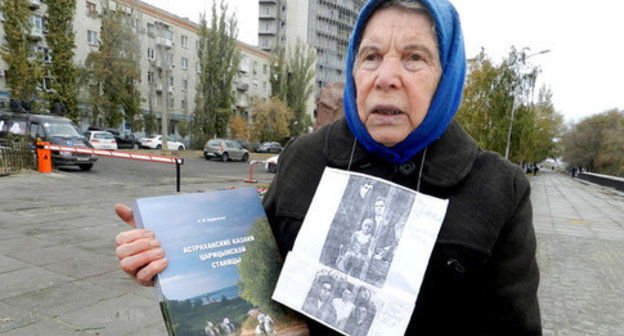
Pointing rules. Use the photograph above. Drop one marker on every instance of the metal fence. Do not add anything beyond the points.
(17, 157)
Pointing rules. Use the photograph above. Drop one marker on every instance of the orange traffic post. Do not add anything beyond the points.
(251, 180)
(44, 157)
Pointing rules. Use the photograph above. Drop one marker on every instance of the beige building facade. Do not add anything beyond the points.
(168, 49)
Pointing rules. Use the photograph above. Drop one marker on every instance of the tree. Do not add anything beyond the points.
(115, 69)
(300, 86)
(278, 76)
(257, 279)
(292, 81)
(61, 41)
(597, 143)
(219, 57)
(499, 96)
(271, 120)
(24, 71)
(239, 128)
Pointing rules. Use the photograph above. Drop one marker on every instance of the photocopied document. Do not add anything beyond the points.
(361, 254)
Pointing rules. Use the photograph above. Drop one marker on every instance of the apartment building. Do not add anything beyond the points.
(325, 25)
(169, 60)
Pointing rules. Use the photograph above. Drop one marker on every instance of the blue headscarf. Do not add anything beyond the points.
(447, 97)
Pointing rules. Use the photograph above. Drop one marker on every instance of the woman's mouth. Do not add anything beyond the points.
(387, 112)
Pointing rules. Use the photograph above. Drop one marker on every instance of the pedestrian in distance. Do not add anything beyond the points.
(405, 74)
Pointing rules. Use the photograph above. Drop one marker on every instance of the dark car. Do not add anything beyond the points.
(125, 139)
(51, 128)
(269, 147)
(243, 143)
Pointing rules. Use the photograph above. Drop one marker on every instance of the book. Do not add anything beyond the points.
(223, 264)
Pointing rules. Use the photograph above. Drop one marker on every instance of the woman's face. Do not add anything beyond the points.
(396, 74)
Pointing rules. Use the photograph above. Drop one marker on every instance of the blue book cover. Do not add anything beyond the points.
(223, 264)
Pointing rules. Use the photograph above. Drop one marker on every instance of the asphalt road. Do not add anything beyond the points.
(195, 170)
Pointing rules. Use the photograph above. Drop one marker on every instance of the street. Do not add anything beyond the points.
(59, 274)
(195, 170)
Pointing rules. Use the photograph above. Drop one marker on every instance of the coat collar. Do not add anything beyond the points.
(448, 161)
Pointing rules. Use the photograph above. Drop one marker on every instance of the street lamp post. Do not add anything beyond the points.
(513, 106)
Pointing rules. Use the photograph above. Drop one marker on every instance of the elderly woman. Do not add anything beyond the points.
(406, 68)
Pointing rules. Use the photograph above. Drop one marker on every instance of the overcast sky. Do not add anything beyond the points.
(584, 67)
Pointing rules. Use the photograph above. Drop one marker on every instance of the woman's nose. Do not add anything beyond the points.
(388, 74)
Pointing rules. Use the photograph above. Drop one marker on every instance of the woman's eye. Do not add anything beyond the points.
(370, 57)
(413, 62)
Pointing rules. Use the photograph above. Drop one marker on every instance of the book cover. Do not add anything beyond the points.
(223, 264)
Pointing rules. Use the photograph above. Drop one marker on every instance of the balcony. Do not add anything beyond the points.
(242, 102)
(35, 35)
(268, 1)
(34, 4)
(242, 86)
(268, 32)
(164, 42)
(159, 88)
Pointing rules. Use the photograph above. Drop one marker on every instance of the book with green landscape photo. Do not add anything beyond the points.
(223, 264)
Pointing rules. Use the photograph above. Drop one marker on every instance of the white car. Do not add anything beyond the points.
(155, 142)
(101, 139)
(270, 164)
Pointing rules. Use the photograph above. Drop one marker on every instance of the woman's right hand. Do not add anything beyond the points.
(138, 251)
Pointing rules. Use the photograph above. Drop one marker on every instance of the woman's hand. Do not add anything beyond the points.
(138, 251)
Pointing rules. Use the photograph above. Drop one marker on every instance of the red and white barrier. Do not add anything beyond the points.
(117, 154)
(251, 163)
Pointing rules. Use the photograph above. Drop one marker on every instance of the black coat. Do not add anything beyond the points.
(482, 277)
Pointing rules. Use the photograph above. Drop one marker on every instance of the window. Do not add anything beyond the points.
(150, 54)
(150, 29)
(267, 26)
(267, 11)
(150, 77)
(264, 69)
(185, 84)
(184, 63)
(46, 84)
(37, 24)
(184, 41)
(168, 34)
(183, 104)
(92, 37)
(265, 42)
(171, 81)
(171, 103)
(91, 9)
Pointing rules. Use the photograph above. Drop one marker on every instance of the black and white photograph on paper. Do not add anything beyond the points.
(366, 229)
(360, 256)
(340, 303)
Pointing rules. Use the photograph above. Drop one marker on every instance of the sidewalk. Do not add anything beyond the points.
(580, 230)
(59, 275)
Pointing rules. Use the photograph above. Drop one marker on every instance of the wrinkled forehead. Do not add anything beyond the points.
(402, 7)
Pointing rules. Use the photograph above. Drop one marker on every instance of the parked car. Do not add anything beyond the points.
(269, 147)
(270, 164)
(243, 143)
(125, 139)
(225, 150)
(155, 142)
(50, 128)
(101, 139)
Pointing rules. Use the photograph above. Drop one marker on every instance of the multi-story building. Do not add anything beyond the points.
(325, 25)
(169, 59)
